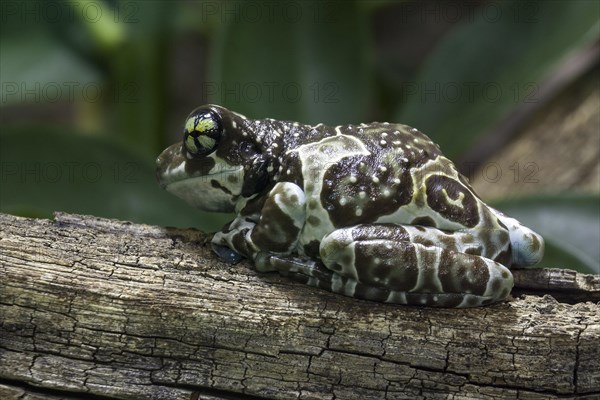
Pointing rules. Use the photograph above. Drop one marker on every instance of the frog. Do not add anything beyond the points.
(373, 211)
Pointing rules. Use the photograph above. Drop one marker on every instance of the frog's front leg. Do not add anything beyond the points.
(276, 229)
(412, 265)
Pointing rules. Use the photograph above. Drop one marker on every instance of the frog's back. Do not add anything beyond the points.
(379, 211)
(367, 173)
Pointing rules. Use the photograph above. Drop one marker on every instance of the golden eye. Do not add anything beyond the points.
(202, 132)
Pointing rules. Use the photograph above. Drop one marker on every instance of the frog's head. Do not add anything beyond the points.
(218, 160)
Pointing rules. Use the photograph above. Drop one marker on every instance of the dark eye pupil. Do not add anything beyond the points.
(202, 132)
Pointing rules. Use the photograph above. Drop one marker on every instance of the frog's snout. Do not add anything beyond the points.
(166, 162)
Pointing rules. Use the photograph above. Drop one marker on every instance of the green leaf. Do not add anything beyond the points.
(569, 224)
(483, 69)
(304, 61)
(45, 170)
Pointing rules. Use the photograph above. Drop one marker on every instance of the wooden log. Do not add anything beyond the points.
(101, 309)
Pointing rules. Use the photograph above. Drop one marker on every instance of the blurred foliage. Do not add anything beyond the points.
(478, 84)
(86, 175)
(107, 69)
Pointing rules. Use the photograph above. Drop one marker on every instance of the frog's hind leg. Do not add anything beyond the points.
(314, 273)
(383, 262)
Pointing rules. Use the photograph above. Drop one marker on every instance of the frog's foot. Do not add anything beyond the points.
(302, 269)
(373, 261)
(276, 228)
(226, 254)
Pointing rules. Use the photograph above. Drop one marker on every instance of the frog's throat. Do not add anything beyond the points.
(213, 192)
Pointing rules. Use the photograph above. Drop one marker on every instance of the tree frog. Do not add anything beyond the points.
(373, 211)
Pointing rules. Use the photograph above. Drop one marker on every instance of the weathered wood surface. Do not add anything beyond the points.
(564, 284)
(107, 309)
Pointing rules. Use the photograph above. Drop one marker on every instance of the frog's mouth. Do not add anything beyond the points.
(217, 176)
(208, 183)
(215, 192)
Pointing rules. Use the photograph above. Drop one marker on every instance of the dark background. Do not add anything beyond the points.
(92, 91)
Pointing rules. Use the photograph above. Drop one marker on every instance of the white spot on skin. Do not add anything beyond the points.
(382, 168)
(343, 201)
(396, 180)
(352, 179)
(376, 261)
(358, 212)
(362, 194)
(383, 142)
(384, 135)
(375, 179)
(386, 192)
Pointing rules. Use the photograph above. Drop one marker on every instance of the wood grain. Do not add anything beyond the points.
(102, 309)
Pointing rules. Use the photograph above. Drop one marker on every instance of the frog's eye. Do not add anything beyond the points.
(202, 132)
